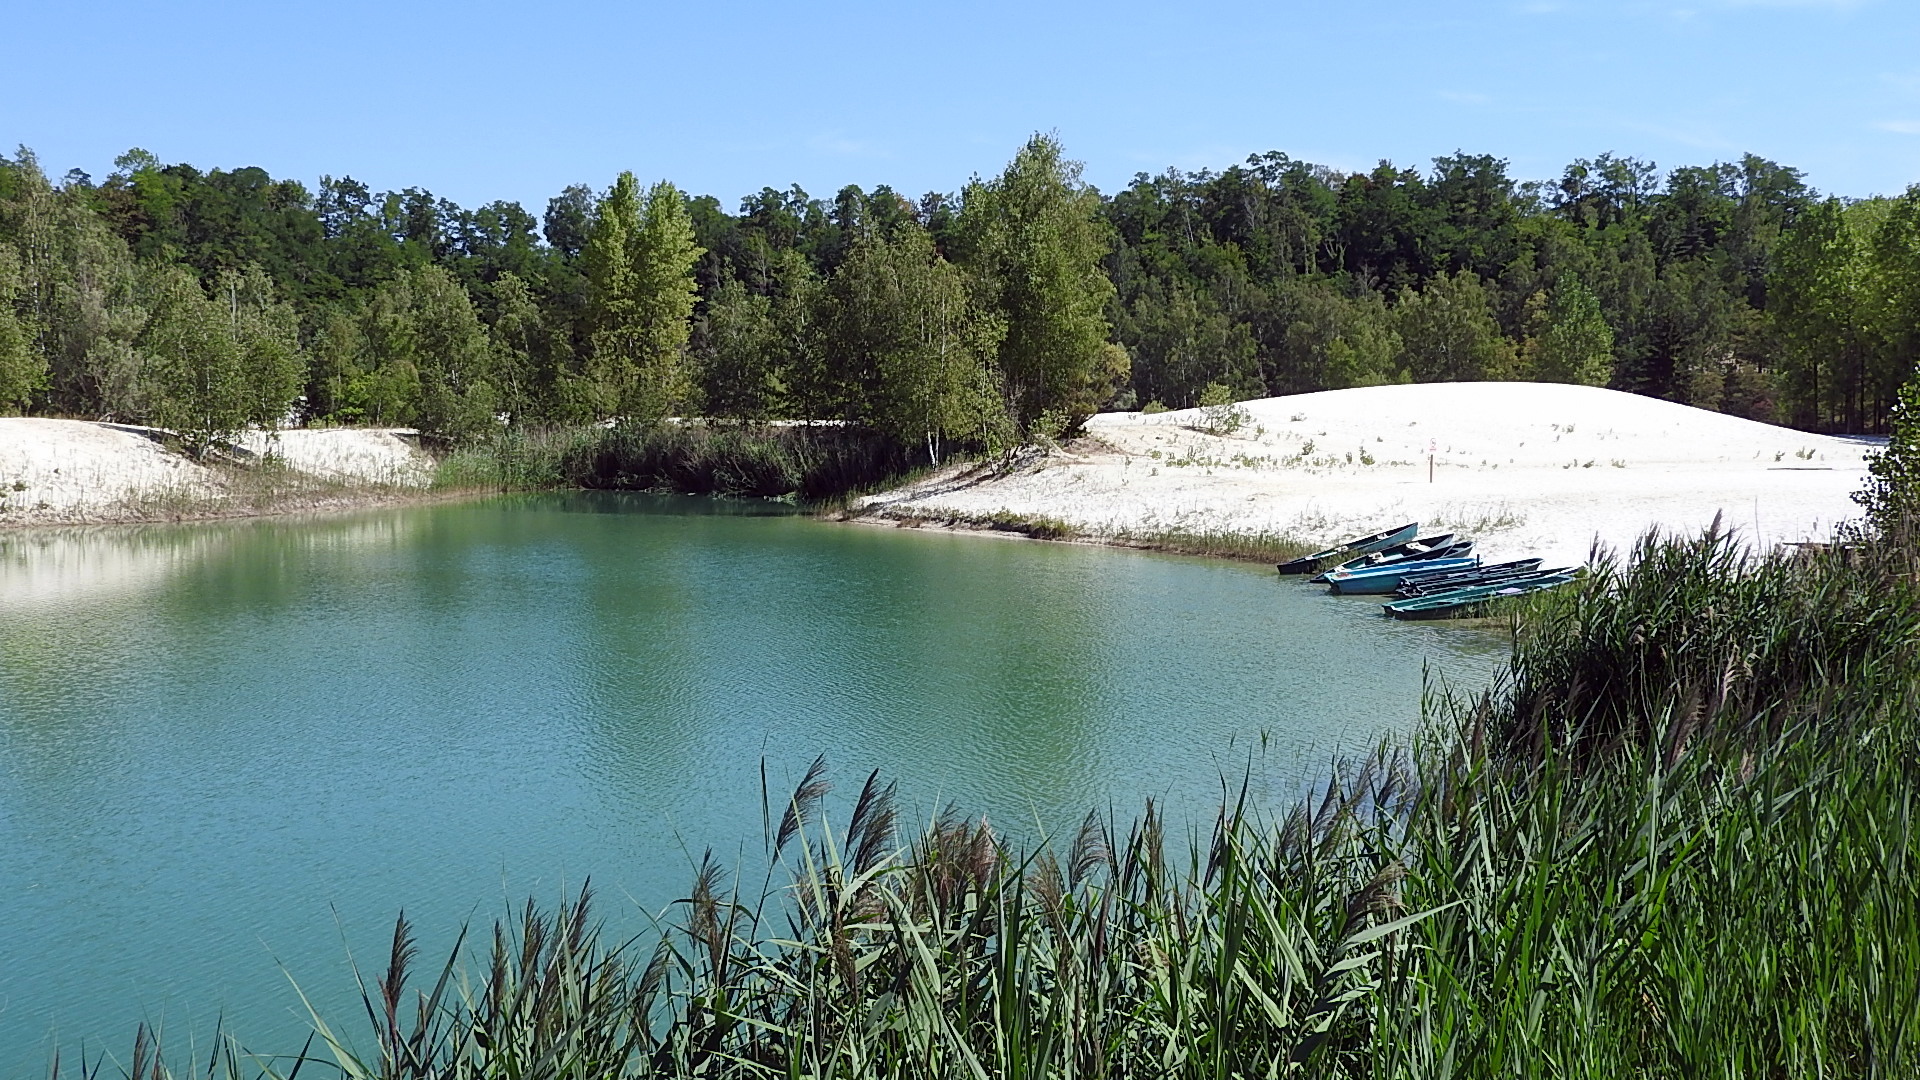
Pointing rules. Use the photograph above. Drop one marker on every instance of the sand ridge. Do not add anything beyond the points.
(1526, 468)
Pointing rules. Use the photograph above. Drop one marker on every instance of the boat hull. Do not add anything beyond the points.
(1465, 603)
(1386, 538)
(1385, 579)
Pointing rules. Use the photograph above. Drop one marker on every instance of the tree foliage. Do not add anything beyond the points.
(1033, 236)
(1730, 286)
(1572, 342)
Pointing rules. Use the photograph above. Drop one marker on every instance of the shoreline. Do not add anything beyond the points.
(1522, 468)
(1229, 547)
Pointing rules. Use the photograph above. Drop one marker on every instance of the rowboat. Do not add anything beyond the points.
(1385, 579)
(1426, 546)
(1307, 564)
(1485, 574)
(1465, 602)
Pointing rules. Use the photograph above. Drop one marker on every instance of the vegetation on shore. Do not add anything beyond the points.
(812, 464)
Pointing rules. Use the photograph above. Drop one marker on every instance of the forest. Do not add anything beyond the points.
(205, 302)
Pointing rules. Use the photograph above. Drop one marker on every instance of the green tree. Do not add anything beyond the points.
(335, 353)
(740, 370)
(529, 359)
(1891, 497)
(196, 370)
(1332, 342)
(639, 262)
(267, 332)
(22, 369)
(452, 356)
(1895, 298)
(81, 295)
(1183, 342)
(1034, 238)
(1572, 342)
(905, 329)
(1448, 332)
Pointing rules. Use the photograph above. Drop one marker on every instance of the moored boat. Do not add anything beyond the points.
(1384, 579)
(1464, 603)
(1307, 564)
(1426, 546)
(1484, 574)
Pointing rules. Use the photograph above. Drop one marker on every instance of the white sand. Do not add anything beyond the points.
(1526, 468)
(66, 471)
(361, 455)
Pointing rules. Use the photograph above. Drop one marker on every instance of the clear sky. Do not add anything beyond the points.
(482, 99)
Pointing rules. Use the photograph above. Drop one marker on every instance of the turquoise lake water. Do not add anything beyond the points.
(229, 753)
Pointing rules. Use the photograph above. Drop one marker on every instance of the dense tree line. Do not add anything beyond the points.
(206, 302)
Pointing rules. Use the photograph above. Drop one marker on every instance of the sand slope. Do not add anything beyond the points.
(1527, 468)
(60, 471)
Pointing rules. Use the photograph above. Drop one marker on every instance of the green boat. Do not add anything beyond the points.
(1427, 547)
(1307, 564)
(1465, 603)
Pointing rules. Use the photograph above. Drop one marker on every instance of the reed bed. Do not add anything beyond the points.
(806, 463)
(1676, 840)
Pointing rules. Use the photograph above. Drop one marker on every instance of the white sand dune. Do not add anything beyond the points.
(361, 455)
(1526, 468)
(67, 471)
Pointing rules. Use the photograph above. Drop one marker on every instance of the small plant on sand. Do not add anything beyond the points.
(1219, 414)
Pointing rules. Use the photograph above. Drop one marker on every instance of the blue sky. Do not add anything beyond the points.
(482, 100)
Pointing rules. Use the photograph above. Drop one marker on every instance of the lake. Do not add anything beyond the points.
(231, 752)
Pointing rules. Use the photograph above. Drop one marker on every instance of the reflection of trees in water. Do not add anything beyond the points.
(88, 564)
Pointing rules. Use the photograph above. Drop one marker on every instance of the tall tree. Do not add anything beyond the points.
(195, 370)
(902, 319)
(740, 363)
(22, 369)
(529, 358)
(452, 356)
(1819, 302)
(1332, 342)
(1033, 236)
(267, 332)
(639, 263)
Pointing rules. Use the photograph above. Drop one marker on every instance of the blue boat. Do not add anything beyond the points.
(1485, 574)
(1307, 564)
(1385, 579)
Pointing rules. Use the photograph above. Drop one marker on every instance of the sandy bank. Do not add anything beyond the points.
(1527, 468)
(73, 471)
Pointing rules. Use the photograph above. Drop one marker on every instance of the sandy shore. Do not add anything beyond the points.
(1526, 468)
(75, 472)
